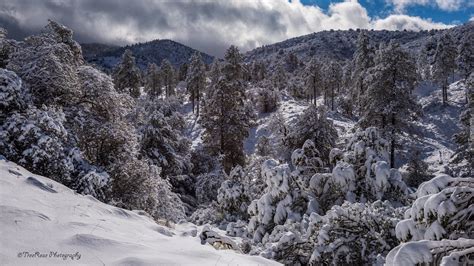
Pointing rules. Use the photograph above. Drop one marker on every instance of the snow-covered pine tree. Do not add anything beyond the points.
(332, 82)
(444, 63)
(462, 161)
(313, 80)
(153, 81)
(417, 169)
(361, 173)
(313, 125)
(292, 62)
(232, 196)
(224, 115)
(5, 48)
(162, 139)
(279, 78)
(168, 78)
(425, 59)
(259, 71)
(465, 55)
(127, 76)
(388, 102)
(196, 80)
(362, 60)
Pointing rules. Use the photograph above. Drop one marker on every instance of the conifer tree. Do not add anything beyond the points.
(153, 82)
(444, 63)
(465, 57)
(196, 80)
(127, 75)
(388, 102)
(362, 61)
(313, 73)
(224, 116)
(168, 77)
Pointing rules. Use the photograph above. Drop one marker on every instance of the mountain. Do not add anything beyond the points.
(341, 44)
(50, 224)
(107, 56)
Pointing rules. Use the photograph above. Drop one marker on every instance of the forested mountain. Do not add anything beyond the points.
(108, 56)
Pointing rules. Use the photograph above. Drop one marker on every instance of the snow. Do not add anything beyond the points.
(436, 128)
(412, 253)
(40, 215)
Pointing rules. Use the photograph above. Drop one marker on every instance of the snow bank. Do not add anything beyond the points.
(40, 215)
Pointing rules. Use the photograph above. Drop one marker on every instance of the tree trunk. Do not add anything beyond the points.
(392, 143)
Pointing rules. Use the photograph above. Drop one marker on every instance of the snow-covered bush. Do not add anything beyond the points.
(306, 160)
(354, 233)
(275, 206)
(13, 95)
(207, 186)
(443, 252)
(47, 63)
(364, 172)
(286, 244)
(137, 184)
(232, 196)
(443, 209)
(38, 140)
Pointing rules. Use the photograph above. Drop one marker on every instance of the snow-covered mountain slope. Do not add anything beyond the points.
(39, 217)
(438, 124)
(341, 44)
(106, 57)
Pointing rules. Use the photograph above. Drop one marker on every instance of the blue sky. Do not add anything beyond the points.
(383, 8)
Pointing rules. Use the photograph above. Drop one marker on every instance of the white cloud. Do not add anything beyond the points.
(401, 22)
(447, 5)
(210, 26)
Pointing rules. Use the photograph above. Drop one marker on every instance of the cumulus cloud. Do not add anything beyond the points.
(447, 5)
(210, 26)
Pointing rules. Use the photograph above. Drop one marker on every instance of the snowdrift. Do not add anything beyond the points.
(44, 223)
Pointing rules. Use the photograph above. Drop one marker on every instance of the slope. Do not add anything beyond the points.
(40, 217)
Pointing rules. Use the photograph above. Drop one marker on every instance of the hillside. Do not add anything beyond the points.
(341, 44)
(49, 217)
(107, 56)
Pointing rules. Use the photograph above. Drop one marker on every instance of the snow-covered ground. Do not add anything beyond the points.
(44, 223)
(439, 123)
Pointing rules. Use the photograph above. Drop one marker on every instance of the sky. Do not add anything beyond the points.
(212, 26)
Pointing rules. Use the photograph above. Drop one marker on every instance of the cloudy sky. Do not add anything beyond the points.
(211, 26)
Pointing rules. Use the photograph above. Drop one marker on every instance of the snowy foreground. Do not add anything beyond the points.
(47, 223)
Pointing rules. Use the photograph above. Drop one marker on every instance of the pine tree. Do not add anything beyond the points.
(127, 76)
(362, 61)
(388, 102)
(168, 77)
(196, 80)
(444, 63)
(279, 78)
(313, 125)
(224, 116)
(332, 81)
(313, 80)
(153, 81)
(465, 57)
